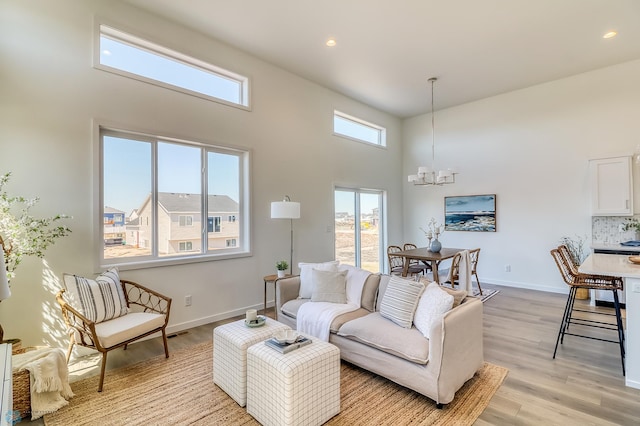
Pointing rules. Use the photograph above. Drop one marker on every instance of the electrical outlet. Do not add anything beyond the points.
(507, 268)
(187, 300)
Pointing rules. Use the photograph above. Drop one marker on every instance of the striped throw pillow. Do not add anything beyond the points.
(99, 300)
(400, 300)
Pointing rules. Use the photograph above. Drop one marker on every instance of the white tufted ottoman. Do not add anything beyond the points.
(301, 387)
(230, 343)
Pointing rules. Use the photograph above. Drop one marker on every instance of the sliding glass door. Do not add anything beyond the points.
(359, 228)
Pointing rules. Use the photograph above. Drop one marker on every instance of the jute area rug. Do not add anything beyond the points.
(180, 391)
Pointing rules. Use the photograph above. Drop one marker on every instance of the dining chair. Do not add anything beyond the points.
(473, 257)
(577, 280)
(396, 263)
(416, 262)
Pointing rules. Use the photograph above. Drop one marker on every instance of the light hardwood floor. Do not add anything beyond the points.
(582, 386)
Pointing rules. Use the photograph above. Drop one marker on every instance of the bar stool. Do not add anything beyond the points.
(575, 280)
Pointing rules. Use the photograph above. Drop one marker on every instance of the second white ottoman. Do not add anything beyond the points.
(230, 343)
(301, 387)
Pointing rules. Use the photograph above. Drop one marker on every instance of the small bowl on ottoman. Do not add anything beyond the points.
(286, 336)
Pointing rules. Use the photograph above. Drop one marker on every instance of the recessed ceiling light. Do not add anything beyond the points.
(610, 34)
(331, 42)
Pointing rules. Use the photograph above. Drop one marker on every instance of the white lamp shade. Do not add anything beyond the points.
(285, 210)
(5, 291)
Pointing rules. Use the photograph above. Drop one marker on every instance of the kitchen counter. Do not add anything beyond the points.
(620, 266)
(608, 248)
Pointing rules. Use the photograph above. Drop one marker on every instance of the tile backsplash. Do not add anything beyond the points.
(607, 229)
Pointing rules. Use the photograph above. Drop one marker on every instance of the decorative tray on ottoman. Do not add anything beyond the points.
(256, 323)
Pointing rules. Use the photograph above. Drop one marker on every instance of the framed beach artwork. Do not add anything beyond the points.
(470, 213)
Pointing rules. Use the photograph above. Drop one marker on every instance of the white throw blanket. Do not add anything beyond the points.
(464, 272)
(315, 318)
(49, 379)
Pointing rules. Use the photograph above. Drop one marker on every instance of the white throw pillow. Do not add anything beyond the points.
(99, 300)
(400, 301)
(433, 304)
(306, 277)
(329, 286)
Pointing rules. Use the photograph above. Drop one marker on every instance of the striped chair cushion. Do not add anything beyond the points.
(400, 300)
(99, 300)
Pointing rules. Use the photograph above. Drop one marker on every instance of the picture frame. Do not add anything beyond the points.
(475, 213)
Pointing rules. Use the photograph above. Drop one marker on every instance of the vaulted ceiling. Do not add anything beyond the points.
(386, 50)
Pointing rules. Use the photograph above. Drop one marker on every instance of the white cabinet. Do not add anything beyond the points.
(611, 186)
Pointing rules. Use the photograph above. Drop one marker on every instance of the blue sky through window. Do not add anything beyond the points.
(127, 171)
(152, 65)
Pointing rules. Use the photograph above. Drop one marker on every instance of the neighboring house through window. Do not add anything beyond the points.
(169, 208)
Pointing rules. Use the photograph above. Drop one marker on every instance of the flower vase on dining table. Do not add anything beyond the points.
(435, 245)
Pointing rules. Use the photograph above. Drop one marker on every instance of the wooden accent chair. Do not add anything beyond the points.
(146, 313)
(396, 263)
(576, 280)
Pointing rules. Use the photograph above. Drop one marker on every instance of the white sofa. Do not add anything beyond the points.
(435, 367)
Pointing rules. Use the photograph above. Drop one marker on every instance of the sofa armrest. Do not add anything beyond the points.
(286, 289)
(456, 347)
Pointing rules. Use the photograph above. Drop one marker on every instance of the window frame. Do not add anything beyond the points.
(244, 247)
(186, 249)
(382, 131)
(188, 220)
(382, 218)
(128, 36)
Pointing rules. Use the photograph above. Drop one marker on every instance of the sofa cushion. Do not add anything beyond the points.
(433, 304)
(121, 329)
(458, 295)
(99, 299)
(306, 278)
(382, 289)
(329, 286)
(400, 301)
(378, 332)
(291, 307)
(370, 292)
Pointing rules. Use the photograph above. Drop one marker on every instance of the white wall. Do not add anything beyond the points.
(50, 96)
(531, 148)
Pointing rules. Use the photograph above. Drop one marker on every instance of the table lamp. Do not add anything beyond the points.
(286, 209)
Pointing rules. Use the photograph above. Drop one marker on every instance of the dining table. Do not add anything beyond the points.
(424, 254)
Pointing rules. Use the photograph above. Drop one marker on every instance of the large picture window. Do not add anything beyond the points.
(155, 194)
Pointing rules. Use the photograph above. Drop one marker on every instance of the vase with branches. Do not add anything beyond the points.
(22, 234)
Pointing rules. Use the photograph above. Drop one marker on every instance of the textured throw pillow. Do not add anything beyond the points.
(400, 301)
(99, 300)
(306, 278)
(458, 295)
(329, 286)
(433, 304)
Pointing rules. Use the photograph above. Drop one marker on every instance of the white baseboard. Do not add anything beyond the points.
(527, 286)
(175, 328)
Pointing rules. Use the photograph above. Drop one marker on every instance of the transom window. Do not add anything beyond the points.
(167, 187)
(355, 128)
(134, 57)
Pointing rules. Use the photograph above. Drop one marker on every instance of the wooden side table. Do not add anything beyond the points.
(271, 279)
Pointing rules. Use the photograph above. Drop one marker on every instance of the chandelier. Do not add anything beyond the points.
(429, 175)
